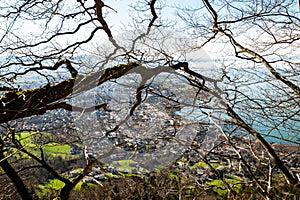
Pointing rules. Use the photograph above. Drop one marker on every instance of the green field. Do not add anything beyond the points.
(35, 142)
(220, 187)
(124, 164)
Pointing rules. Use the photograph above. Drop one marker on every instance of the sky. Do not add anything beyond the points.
(118, 21)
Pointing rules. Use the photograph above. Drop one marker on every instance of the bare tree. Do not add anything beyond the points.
(152, 88)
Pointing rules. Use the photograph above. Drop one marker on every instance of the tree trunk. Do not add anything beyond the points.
(14, 177)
